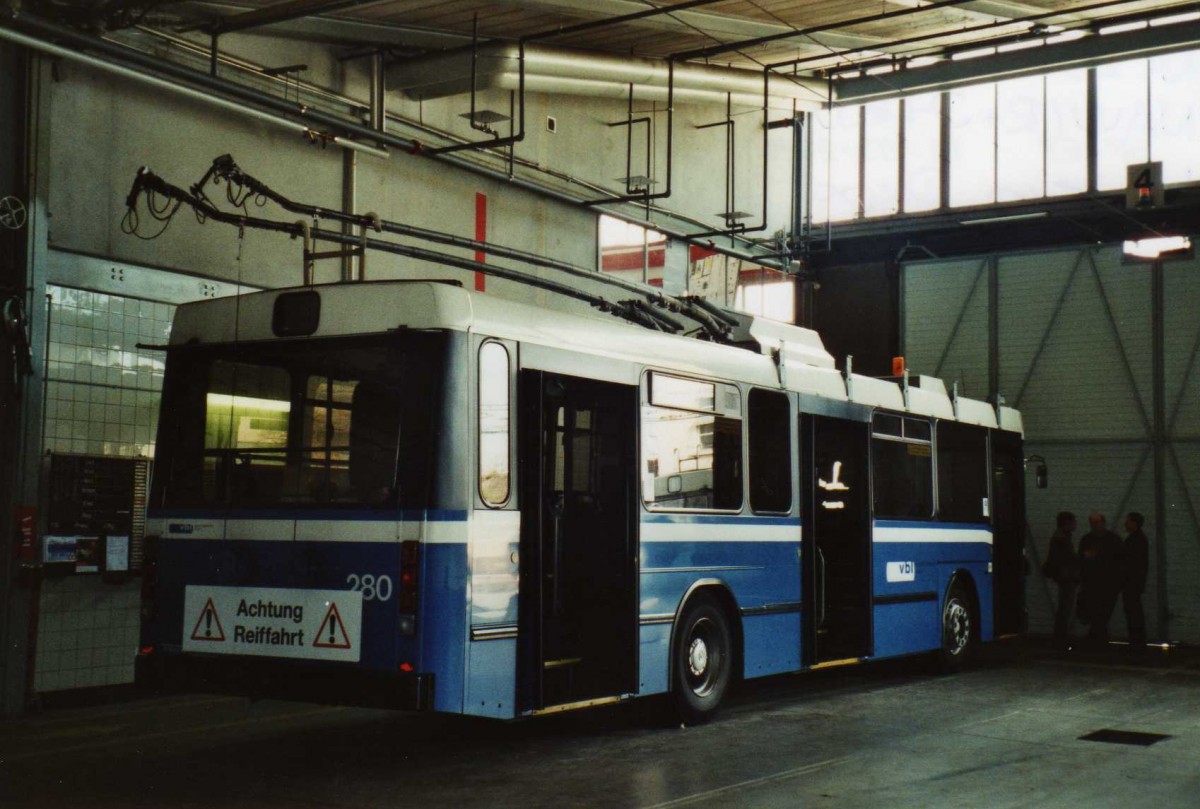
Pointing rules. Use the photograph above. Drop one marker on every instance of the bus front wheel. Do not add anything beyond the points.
(702, 660)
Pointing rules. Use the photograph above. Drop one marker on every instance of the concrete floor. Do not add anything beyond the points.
(1003, 734)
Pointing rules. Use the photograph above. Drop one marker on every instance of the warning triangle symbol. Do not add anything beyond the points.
(332, 634)
(208, 625)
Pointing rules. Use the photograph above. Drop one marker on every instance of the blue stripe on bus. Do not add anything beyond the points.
(970, 526)
(361, 515)
(718, 519)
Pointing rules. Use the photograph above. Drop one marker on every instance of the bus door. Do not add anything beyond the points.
(837, 538)
(579, 616)
(1008, 533)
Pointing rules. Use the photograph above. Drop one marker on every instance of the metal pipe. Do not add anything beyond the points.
(187, 92)
(588, 73)
(253, 96)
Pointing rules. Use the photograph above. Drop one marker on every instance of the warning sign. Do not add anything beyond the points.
(208, 625)
(273, 622)
(332, 634)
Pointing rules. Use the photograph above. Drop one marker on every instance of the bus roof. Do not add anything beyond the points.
(787, 356)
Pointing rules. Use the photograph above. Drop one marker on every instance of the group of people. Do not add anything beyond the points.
(1092, 577)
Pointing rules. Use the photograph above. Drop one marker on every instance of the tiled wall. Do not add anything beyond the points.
(103, 391)
(102, 399)
(87, 633)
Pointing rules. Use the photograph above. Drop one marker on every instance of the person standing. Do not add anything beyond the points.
(1136, 562)
(1100, 580)
(1062, 566)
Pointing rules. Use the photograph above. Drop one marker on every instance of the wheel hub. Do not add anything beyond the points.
(958, 626)
(698, 657)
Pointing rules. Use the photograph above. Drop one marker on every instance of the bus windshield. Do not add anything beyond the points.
(321, 423)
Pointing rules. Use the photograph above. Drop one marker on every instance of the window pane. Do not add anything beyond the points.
(770, 451)
(1121, 108)
(691, 460)
(903, 474)
(300, 424)
(493, 424)
(689, 394)
(973, 145)
(818, 205)
(843, 164)
(1066, 132)
(881, 183)
(922, 152)
(962, 472)
(1019, 156)
(1175, 115)
(902, 469)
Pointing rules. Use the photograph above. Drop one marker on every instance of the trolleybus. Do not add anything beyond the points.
(412, 494)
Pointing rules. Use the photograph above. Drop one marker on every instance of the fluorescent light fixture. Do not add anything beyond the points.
(922, 61)
(993, 220)
(1121, 28)
(1066, 36)
(875, 71)
(1175, 18)
(1156, 247)
(973, 54)
(1020, 46)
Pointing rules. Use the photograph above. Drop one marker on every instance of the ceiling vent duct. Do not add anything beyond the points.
(581, 73)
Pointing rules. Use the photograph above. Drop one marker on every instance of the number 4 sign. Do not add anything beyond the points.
(1144, 186)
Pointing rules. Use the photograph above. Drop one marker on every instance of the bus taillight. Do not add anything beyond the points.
(410, 567)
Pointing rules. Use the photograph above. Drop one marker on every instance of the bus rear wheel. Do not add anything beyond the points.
(959, 629)
(702, 660)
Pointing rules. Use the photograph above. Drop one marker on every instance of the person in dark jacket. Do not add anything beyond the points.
(1062, 567)
(1101, 577)
(1136, 562)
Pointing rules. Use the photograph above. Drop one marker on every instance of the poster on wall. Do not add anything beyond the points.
(59, 549)
(87, 555)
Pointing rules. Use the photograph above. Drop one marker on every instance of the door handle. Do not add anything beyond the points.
(820, 589)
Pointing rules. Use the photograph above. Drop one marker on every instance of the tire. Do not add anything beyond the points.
(701, 660)
(960, 629)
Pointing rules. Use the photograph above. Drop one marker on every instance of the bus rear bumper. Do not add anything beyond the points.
(273, 679)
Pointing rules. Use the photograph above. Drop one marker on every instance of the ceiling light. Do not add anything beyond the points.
(1175, 18)
(1066, 36)
(1121, 28)
(1020, 46)
(1157, 247)
(922, 61)
(973, 54)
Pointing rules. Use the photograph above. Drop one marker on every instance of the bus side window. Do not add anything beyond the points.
(494, 433)
(902, 466)
(962, 472)
(692, 445)
(770, 451)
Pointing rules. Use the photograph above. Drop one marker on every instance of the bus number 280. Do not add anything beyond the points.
(373, 588)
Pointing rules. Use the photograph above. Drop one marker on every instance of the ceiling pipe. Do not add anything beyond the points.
(187, 92)
(244, 94)
(582, 73)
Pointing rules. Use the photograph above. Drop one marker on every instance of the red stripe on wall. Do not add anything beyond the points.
(480, 236)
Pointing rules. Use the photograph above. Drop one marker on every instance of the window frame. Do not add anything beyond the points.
(479, 402)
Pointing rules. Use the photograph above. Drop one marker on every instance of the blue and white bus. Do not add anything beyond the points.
(411, 494)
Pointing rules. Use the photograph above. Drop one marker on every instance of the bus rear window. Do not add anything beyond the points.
(332, 423)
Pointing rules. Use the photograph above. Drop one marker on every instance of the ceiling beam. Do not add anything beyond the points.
(1086, 52)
